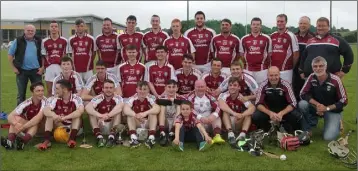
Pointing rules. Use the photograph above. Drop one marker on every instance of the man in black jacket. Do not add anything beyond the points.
(26, 61)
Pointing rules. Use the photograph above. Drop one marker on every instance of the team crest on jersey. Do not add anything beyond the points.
(206, 35)
(165, 74)
(160, 39)
(59, 107)
(284, 40)
(224, 42)
(261, 42)
(60, 46)
(86, 43)
(182, 43)
(328, 88)
(136, 40)
(191, 82)
(201, 36)
(107, 40)
(281, 93)
(103, 107)
(207, 103)
(113, 40)
(329, 40)
(201, 104)
(255, 42)
(138, 72)
(231, 42)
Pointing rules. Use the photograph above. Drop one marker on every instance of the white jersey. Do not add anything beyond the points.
(204, 106)
(93, 79)
(249, 81)
(75, 80)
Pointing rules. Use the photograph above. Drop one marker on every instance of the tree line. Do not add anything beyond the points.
(240, 29)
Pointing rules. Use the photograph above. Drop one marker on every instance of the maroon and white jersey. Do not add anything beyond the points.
(256, 51)
(27, 109)
(107, 47)
(186, 82)
(177, 48)
(95, 84)
(126, 39)
(170, 111)
(151, 41)
(75, 80)
(214, 82)
(248, 85)
(129, 75)
(204, 106)
(235, 104)
(53, 50)
(201, 40)
(141, 106)
(103, 106)
(225, 48)
(61, 108)
(283, 46)
(187, 124)
(159, 75)
(83, 52)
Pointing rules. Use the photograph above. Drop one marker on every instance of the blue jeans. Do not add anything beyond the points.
(22, 79)
(331, 127)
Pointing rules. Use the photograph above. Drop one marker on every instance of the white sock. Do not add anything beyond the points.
(242, 134)
(162, 133)
(151, 137)
(134, 136)
(110, 136)
(99, 136)
(171, 133)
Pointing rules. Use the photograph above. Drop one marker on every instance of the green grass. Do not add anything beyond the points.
(59, 157)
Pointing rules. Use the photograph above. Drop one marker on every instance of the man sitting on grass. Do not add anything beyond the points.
(141, 111)
(188, 128)
(25, 119)
(65, 109)
(105, 108)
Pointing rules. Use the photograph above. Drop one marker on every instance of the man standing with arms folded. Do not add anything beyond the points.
(107, 49)
(152, 39)
(225, 46)
(26, 60)
(178, 45)
(53, 48)
(285, 51)
(256, 48)
(131, 37)
(302, 35)
(201, 37)
(323, 95)
(159, 72)
(83, 50)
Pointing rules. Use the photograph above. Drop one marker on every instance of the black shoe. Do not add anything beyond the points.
(171, 136)
(110, 143)
(19, 143)
(163, 141)
(119, 141)
(134, 143)
(7, 143)
(150, 143)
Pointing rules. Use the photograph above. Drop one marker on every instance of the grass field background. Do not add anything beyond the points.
(59, 157)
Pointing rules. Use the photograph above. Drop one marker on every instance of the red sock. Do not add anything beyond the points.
(96, 132)
(151, 132)
(47, 135)
(217, 130)
(73, 134)
(130, 132)
(26, 138)
(161, 128)
(11, 137)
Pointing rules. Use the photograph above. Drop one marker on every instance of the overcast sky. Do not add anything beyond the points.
(344, 14)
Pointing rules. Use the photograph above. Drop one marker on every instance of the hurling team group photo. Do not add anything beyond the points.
(188, 86)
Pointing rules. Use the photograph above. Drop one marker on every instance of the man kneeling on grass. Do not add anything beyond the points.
(25, 119)
(188, 128)
(65, 109)
(141, 109)
(105, 108)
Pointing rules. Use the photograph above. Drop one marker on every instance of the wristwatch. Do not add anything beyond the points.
(328, 109)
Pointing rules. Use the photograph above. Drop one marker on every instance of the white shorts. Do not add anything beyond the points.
(113, 70)
(287, 75)
(226, 70)
(204, 68)
(86, 75)
(52, 71)
(259, 76)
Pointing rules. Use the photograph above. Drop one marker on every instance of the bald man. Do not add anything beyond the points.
(206, 110)
(25, 59)
(276, 102)
(302, 35)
